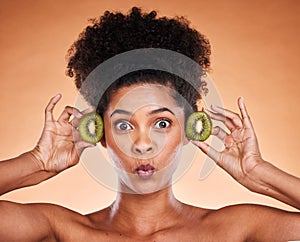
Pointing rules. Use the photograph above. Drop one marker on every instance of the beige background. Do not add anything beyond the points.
(256, 51)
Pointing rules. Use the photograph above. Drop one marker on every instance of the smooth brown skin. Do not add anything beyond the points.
(156, 216)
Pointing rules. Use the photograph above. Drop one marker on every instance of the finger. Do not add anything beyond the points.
(75, 122)
(68, 112)
(246, 119)
(220, 117)
(234, 117)
(208, 150)
(76, 113)
(81, 145)
(77, 118)
(76, 135)
(49, 108)
(220, 133)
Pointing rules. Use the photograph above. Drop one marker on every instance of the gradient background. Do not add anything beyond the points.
(255, 54)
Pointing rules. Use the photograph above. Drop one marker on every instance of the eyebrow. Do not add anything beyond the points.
(120, 111)
(159, 110)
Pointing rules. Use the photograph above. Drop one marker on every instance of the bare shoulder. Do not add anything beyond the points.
(253, 213)
(50, 222)
(24, 221)
(69, 225)
(257, 222)
(36, 221)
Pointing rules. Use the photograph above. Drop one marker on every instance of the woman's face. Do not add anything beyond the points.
(144, 135)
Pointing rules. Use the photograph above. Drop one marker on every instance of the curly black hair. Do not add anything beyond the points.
(115, 33)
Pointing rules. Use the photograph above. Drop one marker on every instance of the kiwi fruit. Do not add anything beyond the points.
(91, 127)
(198, 126)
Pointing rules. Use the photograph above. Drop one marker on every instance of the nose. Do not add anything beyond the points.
(143, 145)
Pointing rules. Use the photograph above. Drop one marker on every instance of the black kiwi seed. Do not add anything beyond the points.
(198, 126)
(91, 127)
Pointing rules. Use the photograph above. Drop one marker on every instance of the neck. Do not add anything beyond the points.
(145, 213)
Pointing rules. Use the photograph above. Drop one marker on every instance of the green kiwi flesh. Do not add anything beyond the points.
(91, 127)
(198, 126)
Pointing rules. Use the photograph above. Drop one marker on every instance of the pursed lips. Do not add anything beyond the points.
(145, 171)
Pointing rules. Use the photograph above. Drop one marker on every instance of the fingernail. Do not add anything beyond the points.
(78, 115)
(195, 142)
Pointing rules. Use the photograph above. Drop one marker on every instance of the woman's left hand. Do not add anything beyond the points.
(241, 153)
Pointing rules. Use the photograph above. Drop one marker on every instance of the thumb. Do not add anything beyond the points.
(81, 145)
(208, 150)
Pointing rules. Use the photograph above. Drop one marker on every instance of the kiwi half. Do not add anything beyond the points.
(91, 127)
(198, 126)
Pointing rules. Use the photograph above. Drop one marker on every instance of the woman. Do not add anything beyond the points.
(144, 116)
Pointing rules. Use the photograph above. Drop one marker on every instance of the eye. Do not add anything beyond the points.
(162, 124)
(122, 125)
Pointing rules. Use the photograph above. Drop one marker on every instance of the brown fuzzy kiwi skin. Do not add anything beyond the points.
(206, 124)
(84, 130)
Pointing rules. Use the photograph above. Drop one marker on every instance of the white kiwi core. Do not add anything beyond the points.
(92, 127)
(199, 126)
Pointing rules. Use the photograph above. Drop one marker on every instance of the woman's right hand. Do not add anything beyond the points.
(60, 145)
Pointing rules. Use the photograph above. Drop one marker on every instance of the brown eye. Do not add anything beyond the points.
(162, 124)
(123, 126)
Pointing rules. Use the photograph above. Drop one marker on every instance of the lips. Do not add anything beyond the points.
(145, 171)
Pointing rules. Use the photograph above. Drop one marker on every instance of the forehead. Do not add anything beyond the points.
(136, 96)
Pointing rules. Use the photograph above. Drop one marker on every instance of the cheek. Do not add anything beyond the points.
(121, 143)
(171, 148)
(115, 147)
(115, 157)
(111, 146)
